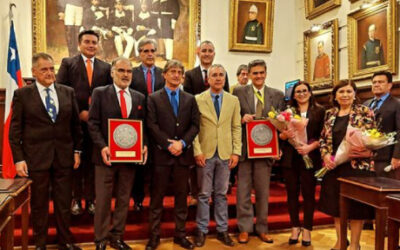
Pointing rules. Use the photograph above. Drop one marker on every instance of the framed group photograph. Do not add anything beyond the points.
(321, 56)
(121, 25)
(372, 40)
(251, 25)
(315, 8)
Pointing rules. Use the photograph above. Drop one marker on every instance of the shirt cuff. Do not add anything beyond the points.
(183, 143)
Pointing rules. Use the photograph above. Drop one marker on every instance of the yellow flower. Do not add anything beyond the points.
(297, 117)
(271, 114)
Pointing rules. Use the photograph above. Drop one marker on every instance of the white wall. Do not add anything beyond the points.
(214, 26)
(23, 32)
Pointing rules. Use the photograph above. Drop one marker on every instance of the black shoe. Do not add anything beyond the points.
(76, 207)
(153, 243)
(68, 247)
(199, 239)
(40, 248)
(138, 207)
(90, 207)
(295, 241)
(305, 243)
(183, 242)
(101, 245)
(120, 245)
(225, 238)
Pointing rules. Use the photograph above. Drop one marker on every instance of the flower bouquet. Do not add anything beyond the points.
(289, 120)
(359, 144)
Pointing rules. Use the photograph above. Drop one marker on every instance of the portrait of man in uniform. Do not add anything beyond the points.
(372, 52)
(253, 32)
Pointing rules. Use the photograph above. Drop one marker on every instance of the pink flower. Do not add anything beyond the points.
(280, 117)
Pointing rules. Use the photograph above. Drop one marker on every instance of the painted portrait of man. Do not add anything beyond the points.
(372, 51)
(253, 32)
(322, 63)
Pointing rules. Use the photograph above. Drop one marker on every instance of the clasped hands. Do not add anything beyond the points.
(175, 147)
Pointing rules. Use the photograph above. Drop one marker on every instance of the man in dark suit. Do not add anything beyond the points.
(113, 101)
(387, 115)
(84, 72)
(45, 139)
(256, 100)
(196, 81)
(147, 78)
(173, 123)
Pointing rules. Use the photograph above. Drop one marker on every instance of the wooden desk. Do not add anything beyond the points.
(371, 191)
(393, 202)
(6, 222)
(19, 190)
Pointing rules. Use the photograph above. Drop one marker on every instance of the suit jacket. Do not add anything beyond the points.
(104, 106)
(34, 137)
(139, 83)
(72, 72)
(272, 98)
(162, 125)
(315, 117)
(223, 134)
(388, 120)
(194, 82)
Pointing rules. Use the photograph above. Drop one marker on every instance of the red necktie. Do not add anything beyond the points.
(149, 82)
(206, 78)
(124, 112)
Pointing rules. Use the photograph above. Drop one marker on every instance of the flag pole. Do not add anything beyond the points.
(11, 14)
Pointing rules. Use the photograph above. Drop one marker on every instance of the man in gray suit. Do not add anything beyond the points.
(387, 115)
(256, 100)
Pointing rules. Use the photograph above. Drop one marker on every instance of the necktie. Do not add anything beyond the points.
(50, 106)
(206, 79)
(124, 112)
(89, 71)
(174, 103)
(216, 105)
(149, 82)
(260, 106)
(375, 104)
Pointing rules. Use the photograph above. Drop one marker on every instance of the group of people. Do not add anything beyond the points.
(193, 134)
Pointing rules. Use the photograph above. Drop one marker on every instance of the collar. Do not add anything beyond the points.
(117, 89)
(170, 90)
(145, 69)
(261, 90)
(85, 58)
(213, 94)
(202, 69)
(41, 88)
(382, 98)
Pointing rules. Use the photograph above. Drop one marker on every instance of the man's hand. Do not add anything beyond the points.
(145, 154)
(248, 118)
(22, 168)
(84, 115)
(105, 154)
(175, 147)
(287, 134)
(233, 161)
(61, 15)
(200, 160)
(395, 163)
(77, 160)
(329, 164)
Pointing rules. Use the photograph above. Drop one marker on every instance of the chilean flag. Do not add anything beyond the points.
(14, 82)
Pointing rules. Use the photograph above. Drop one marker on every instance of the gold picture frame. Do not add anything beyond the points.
(315, 8)
(321, 56)
(248, 31)
(373, 40)
(49, 32)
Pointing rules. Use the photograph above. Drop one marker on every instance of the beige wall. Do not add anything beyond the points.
(214, 26)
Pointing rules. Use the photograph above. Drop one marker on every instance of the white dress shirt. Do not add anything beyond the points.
(128, 98)
(52, 93)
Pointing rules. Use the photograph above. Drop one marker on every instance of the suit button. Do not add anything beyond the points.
(177, 124)
(176, 137)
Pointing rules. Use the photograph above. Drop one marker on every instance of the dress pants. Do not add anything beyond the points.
(159, 184)
(59, 180)
(299, 178)
(253, 173)
(121, 178)
(213, 178)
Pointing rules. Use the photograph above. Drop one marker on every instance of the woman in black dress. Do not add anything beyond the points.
(297, 176)
(344, 113)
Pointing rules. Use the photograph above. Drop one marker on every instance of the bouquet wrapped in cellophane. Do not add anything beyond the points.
(359, 143)
(289, 120)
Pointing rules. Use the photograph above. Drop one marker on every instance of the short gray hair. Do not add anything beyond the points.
(118, 59)
(257, 62)
(41, 55)
(206, 42)
(216, 66)
(146, 41)
(173, 64)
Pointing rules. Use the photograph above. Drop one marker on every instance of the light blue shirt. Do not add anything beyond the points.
(153, 79)
(213, 95)
(177, 101)
(383, 99)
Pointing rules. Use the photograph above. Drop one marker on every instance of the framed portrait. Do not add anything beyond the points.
(251, 25)
(372, 40)
(315, 8)
(321, 56)
(121, 25)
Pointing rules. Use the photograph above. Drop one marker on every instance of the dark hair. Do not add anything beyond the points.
(87, 32)
(146, 41)
(257, 62)
(240, 68)
(41, 55)
(341, 84)
(293, 102)
(173, 64)
(384, 73)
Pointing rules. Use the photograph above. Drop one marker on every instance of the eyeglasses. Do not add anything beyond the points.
(148, 50)
(298, 92)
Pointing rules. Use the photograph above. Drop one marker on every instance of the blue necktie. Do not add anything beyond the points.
(216, 105)
(374, 104)
(50, 106)
(174, 103)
